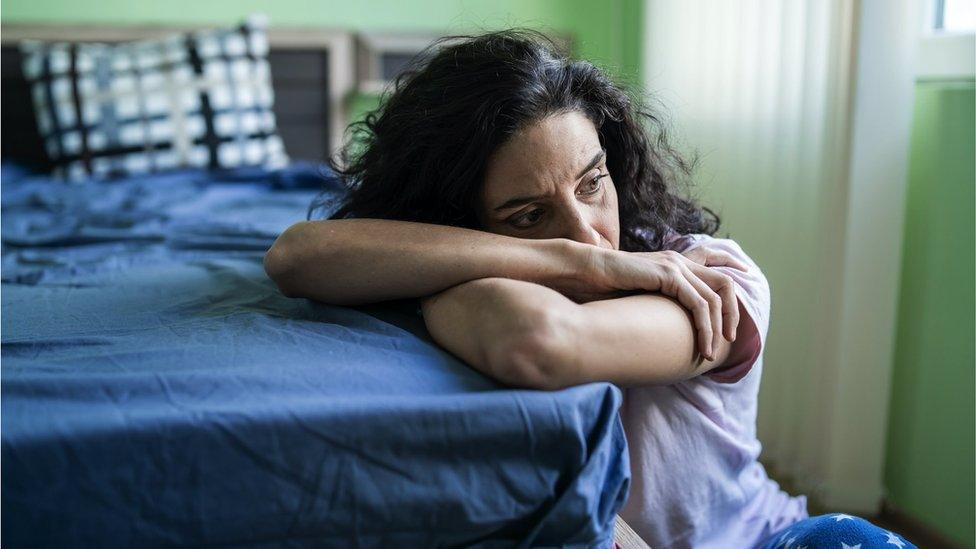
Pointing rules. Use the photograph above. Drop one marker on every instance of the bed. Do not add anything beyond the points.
(158, 390)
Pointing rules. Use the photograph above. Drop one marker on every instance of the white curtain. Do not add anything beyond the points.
(764, 90)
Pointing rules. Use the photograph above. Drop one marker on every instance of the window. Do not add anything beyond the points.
(381, 56)
(953, 16)
(947, 42)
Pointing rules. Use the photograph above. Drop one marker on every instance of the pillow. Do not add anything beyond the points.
(202, 99)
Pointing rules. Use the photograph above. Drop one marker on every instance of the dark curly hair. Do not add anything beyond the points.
(422, 155)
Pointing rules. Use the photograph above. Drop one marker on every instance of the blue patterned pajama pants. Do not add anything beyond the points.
(836, 531)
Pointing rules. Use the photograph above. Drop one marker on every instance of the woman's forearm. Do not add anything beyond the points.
(637, 340)
(530, 336)
(356, 261)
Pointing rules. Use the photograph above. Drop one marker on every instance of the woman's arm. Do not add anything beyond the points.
(358, 261)
(526, 335)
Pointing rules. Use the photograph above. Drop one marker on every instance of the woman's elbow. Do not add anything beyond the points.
(534, 356)
(281, 260)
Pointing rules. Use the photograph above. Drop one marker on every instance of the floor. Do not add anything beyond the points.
(912, 530)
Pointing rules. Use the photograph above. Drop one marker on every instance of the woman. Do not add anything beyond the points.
(535, 210)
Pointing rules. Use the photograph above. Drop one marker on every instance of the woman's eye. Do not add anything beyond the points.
(593, 185)
(529, 219)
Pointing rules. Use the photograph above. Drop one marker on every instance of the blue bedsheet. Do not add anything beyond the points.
(158, 390)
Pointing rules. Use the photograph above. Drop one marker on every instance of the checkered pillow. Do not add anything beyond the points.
(197, 100)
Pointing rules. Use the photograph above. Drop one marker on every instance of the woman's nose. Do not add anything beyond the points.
(580, 230)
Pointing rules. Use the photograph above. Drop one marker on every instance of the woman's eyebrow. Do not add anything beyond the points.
(520, 200)
(596, 160)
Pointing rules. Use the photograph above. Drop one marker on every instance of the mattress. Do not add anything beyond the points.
(158, 390)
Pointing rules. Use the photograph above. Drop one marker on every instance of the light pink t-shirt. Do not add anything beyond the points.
(696, 478)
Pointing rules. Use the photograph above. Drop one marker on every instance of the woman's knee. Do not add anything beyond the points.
(836, 530)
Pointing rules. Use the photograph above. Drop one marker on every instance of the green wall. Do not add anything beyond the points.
(930, 456)
(606, 32)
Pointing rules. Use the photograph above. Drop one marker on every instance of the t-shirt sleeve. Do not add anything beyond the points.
(752, 289)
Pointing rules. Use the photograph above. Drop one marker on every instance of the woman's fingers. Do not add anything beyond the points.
(690, 297)
(723, 285)
(703, 255)
(714, 307)
(683, 285)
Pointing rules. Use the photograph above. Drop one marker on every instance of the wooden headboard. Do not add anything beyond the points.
(312, 69)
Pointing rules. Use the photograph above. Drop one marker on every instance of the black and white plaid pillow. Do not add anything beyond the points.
(202, 99)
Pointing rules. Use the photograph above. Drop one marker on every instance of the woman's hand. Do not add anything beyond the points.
(707, 293)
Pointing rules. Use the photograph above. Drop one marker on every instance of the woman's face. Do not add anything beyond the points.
(550, 180)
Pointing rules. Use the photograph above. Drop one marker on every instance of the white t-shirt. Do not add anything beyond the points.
(697, 481)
